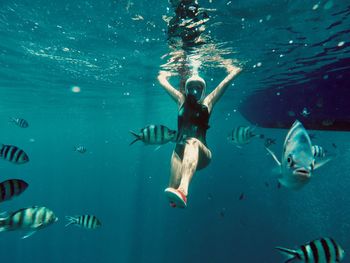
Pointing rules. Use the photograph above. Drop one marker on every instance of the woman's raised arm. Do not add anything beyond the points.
(174, 93)
(216, 94)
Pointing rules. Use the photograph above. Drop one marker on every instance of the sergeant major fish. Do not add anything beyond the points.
(318, 151)
(86, 221)
(323, 250)
(298, 162)
(155, 135)
(28, 219)
(11, 188)
(20, 122)
(243, 135)
(13, 154)
(80, 149)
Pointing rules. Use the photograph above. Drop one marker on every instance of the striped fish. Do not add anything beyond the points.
(13, 154)
(243, 135)
(29, 219)
(11, 188)
(86, 221)
(20, 122)
(323, 250)
(155, 135)
(318, 151)
(80, 149)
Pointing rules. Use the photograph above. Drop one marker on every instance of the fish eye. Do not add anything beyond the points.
(290, 160)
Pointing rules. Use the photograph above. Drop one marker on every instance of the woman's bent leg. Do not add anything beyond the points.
(175, 171)
(193, 150)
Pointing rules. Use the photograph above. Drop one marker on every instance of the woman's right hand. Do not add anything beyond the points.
(164, 74)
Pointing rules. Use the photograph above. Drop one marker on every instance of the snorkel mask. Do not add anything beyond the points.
(195, 88)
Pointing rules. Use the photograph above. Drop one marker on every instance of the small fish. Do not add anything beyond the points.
(210, 196)
(241, 197)
(20, 122)
(305, 112)
(86, 221)
(137, 17)
(323, 250)
(318, 151)
(269, 141)
(29, 219)
(298, 162)
(155, 135)
(80, 149)
(222, 212)
(13, 154)
(278, 185)
(11, 188)
(243, 135)
(334, 145)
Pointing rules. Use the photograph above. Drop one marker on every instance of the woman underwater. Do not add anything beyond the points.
(191, 152)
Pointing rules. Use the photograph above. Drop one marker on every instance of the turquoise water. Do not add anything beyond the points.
(113, 56)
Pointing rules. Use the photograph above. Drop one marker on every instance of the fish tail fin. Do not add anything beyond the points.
(289, 253)
(11, 119)
(137, 137)
(71, 220)
(176, 136)
(3, 225)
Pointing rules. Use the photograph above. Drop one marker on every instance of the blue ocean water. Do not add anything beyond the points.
(112, 51)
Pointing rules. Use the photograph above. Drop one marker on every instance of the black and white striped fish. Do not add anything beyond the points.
(86, 221)
(243, 135)
(11, 188)
(29, 219)
(323, 250)
(80, 149)
(13, 154)
(318, 151)
(20, 122)
(155, 135)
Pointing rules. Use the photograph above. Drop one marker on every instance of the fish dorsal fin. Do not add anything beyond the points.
(289, 253)
(320, 163)
(273, 156)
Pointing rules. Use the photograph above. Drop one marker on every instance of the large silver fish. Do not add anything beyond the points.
(298, 161)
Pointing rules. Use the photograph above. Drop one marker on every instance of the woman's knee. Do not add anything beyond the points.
(193, 141)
